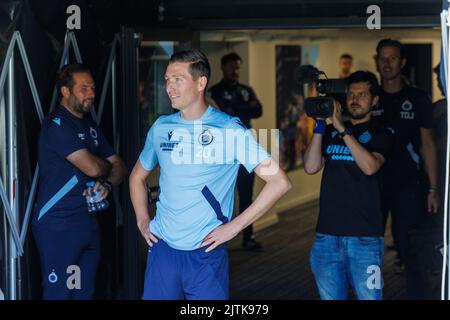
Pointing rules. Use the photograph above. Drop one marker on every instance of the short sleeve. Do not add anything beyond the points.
(244, 147)
(148, 157)
(425, 111)
(326, 138)
(252, 95)
(105, 149)
(383, 142)
(62, 137)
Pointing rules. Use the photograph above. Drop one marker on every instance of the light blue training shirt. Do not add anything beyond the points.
(199, 162)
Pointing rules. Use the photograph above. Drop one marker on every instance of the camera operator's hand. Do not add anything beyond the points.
(337, 121)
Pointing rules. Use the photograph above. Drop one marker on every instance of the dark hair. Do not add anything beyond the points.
(233, 56)
(64, 77)
(346, 56)
(364, 76)
(198, 62)
(391, 43)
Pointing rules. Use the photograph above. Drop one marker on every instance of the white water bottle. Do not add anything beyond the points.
(98, 201)
(89, 198)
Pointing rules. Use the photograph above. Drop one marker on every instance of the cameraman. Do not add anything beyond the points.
(349, 244)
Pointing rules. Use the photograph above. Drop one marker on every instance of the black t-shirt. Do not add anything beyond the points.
(405, 112)
(350, 201)
(235, 100)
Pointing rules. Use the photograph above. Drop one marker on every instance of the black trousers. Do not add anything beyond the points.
(407, 204)
(245, 183)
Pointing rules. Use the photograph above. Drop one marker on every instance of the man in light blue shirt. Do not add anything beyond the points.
(199, 150)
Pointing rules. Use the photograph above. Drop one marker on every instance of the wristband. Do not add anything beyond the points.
(320, 126)
(344, 133)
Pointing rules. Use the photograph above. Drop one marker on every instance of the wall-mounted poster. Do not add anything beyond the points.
(310, 55)
(295, 127)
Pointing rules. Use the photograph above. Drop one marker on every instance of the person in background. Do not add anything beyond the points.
(345, 65)
(410, 176)
(72, 152)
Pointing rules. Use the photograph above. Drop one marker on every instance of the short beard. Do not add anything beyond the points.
(77, 105)
(359, 116)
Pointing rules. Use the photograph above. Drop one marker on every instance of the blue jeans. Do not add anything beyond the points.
(337, 261)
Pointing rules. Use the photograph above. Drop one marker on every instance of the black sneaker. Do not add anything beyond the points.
(252, 245)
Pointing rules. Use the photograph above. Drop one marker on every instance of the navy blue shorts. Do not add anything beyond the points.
(192, 275)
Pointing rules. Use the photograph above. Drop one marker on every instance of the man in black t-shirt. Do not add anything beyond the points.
(410, 176)
(349, 244)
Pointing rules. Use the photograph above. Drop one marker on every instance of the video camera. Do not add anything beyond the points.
(328, 89)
